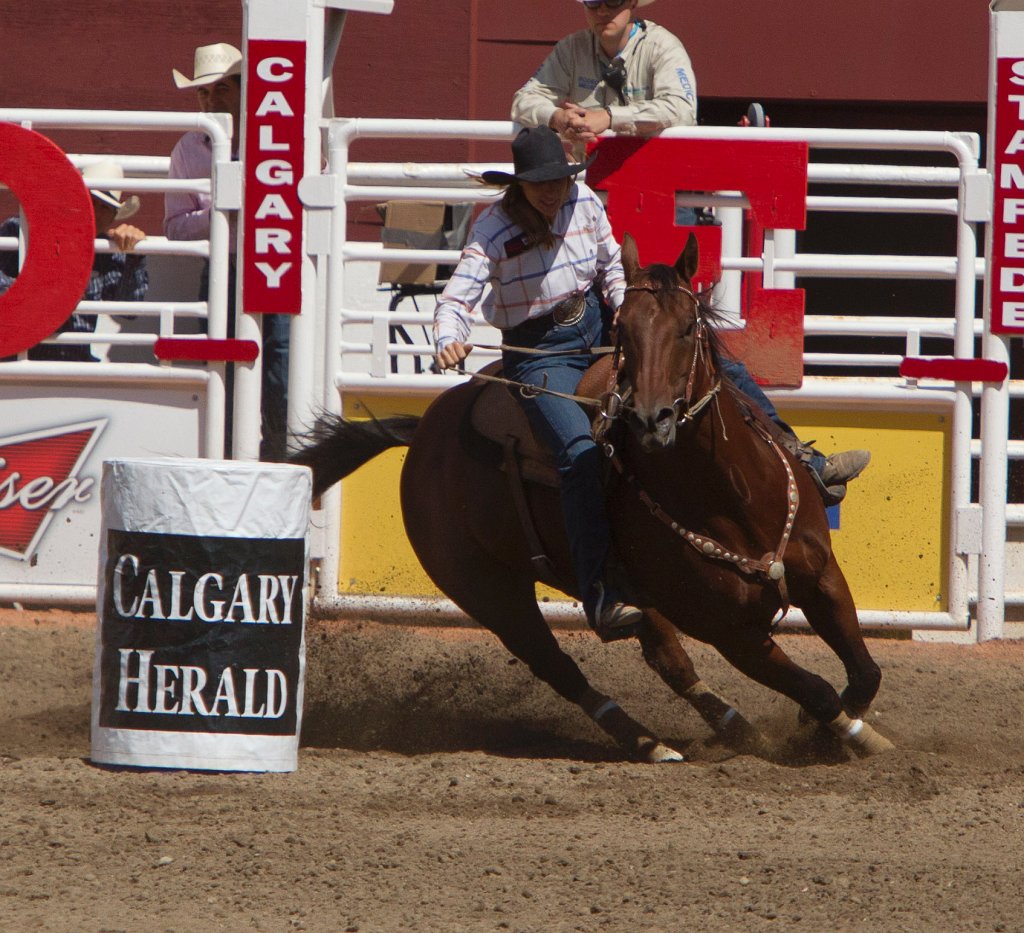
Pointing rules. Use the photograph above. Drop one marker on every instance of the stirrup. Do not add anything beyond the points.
(830, 495)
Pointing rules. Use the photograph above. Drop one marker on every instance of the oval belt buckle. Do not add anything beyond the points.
(570, 310)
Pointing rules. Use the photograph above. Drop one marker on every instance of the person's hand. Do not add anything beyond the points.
(566, 118)
(577, 125)
(453, 354)
(125, 237)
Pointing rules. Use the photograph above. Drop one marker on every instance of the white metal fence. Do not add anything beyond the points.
(353, 348)
(148, 175)
(361, 347)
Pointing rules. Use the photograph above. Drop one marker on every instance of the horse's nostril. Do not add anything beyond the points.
(665, 417)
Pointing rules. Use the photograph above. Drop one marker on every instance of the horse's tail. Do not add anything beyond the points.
(335, 446)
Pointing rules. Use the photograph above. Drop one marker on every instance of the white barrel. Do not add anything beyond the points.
(200, 646)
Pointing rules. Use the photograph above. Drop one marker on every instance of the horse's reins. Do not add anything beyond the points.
(611, 402)
(529, 391)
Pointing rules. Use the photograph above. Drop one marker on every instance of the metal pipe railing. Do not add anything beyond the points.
(452, 183)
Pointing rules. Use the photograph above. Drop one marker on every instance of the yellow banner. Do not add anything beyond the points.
(890, 533)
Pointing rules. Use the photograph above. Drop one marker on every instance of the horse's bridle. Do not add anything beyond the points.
(684, 409)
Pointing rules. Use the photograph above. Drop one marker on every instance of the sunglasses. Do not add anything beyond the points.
(594, 5)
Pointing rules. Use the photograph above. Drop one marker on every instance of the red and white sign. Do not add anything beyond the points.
(1007, 261)
(58, 211)
(274, 147)
(39, 476)
(642, 176)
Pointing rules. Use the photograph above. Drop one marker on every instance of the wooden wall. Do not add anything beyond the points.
(906, 64)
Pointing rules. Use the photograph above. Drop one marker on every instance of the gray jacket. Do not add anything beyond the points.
(660, 88)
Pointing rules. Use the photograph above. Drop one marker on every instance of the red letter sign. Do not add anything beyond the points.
(642, 176)
(1007, 268)
(61, 227)
(275, 136)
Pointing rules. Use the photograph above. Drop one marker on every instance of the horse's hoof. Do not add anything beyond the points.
(659, 752)
(869, 742)
(862, 739)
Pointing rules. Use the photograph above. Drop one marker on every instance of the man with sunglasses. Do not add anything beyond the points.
(620, 73)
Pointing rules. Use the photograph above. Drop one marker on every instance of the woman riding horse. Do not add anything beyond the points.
(555, 275)
(710, 526)
(548, 253)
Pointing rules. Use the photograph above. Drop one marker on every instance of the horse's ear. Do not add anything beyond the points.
(686, 264)
(630, 257)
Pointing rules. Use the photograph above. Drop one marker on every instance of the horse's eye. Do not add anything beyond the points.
(687, 330)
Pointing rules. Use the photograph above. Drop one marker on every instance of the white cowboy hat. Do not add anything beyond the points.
(212, 63)
(107, 169)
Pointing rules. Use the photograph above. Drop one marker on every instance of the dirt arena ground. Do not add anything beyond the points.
(440, 788)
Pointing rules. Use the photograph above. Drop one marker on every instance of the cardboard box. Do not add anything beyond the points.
(412, 225)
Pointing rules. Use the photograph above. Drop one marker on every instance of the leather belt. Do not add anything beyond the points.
(567, 312)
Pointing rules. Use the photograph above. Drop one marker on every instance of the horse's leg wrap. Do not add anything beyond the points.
(861, 737)
(726, 721)
(712, 708)
(634, 738)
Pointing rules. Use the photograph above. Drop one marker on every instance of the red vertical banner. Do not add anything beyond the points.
(275, 136)
(1007, 261)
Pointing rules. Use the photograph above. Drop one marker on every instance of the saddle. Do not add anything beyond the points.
(497, 417)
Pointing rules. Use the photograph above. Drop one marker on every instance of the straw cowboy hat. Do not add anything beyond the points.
(108, 169)
(212, 63)
(537, 155)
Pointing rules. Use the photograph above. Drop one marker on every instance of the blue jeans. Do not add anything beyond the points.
(274, 378)
(274, 386)
(564, 428)
(738, 374)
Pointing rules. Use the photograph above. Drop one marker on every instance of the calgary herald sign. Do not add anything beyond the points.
(201, 633)
(200, 654)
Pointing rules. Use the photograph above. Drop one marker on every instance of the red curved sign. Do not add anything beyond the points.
(62, 228)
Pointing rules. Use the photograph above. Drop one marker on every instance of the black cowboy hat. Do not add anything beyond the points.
(537, 155)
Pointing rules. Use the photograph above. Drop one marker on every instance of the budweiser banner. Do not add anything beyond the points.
(200, 650)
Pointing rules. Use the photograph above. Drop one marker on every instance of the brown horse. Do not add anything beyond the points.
(718, 529)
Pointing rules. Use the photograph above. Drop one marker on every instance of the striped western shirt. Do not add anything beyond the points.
(507, 283)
